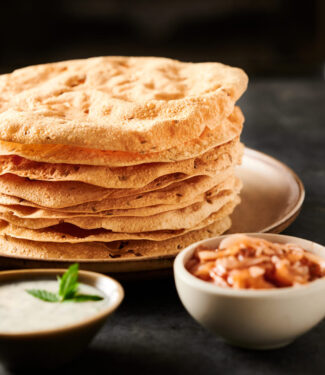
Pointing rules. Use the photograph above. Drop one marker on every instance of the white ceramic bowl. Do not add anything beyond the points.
(255, 319)
(53, 347)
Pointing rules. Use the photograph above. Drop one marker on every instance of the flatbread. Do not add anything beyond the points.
(136, 104)
(116, 158)
(27, 212)
(107, 251)
(70, 233)
(229, 129)
(57, 194)
(120, 177)
(186, 217)
(63, 194)
(176, 193)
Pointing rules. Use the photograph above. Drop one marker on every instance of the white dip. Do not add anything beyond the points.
(21, 312)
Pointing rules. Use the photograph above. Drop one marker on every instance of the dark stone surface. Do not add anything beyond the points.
(151, 333)
(286, 119)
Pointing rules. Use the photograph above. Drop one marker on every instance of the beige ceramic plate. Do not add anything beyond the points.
(271, 199)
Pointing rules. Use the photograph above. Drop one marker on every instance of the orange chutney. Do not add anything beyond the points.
(243, 262)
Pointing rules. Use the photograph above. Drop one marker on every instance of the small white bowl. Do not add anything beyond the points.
(51, 348)
(254, 319)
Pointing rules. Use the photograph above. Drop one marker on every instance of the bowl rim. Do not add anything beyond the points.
(105, 312)
(182, 273)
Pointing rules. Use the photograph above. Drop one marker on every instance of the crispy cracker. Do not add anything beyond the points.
(186, 217)
(120, 177)
(176, 193)
(229, 129)
(27, 212)
(59, 194)
(117, 103)
(70, 233)
(108, 251)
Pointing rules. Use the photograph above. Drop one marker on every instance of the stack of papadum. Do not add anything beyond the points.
(117, 157)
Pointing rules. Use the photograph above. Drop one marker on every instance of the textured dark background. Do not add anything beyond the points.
(280, 44)
(265, 37)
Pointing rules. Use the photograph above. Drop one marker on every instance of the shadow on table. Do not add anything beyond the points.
(305, 356)
(95, 361)
(120, 362)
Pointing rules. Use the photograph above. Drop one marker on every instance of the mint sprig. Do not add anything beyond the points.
(68, 289)
(68, 283)
(43, 295)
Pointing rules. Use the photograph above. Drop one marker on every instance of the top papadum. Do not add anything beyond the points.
(133, 104)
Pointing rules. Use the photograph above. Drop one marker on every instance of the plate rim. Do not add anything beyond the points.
(276, 227)
(294, 212)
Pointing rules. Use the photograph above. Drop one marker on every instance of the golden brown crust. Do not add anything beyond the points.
(117, 157)
(194, 195)
(72, 234)
(117, 103)
(61, 194)
(119, 177)
(186, 217)
(228, 130)
(111, 251)
(176, 193)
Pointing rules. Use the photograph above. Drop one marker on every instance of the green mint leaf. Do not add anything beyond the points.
(84, 298)
(44, 295)
(68, 282)
(68, 289)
